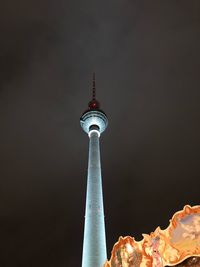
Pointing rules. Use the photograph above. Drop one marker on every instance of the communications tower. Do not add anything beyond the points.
(94, 122)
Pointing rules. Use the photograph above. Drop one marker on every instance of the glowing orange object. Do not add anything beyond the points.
(169, 247)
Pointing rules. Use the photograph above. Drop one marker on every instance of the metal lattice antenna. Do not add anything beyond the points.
(94, 87)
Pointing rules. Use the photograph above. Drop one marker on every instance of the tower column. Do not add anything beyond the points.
(94, 246)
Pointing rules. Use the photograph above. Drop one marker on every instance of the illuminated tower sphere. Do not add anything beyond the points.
(94, 122)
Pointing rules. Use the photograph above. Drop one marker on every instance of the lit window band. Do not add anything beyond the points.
(93, 131)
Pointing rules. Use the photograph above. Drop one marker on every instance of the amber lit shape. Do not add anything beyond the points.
(178, 244)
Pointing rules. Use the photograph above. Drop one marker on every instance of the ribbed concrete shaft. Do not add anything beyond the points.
(94, 244)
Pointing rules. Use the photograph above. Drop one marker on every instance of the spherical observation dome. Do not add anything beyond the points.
(94, 117)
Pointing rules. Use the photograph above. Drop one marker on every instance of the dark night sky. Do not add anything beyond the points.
(146, 55)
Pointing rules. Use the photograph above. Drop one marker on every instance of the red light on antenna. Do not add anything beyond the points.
(94, 104)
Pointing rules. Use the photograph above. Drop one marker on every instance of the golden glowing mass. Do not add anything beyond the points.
(178, 244)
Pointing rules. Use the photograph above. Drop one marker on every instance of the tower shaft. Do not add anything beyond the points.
(94, 244)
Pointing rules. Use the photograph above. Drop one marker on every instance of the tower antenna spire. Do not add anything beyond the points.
(94, 87)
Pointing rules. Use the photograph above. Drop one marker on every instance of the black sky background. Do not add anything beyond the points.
(146, 55)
